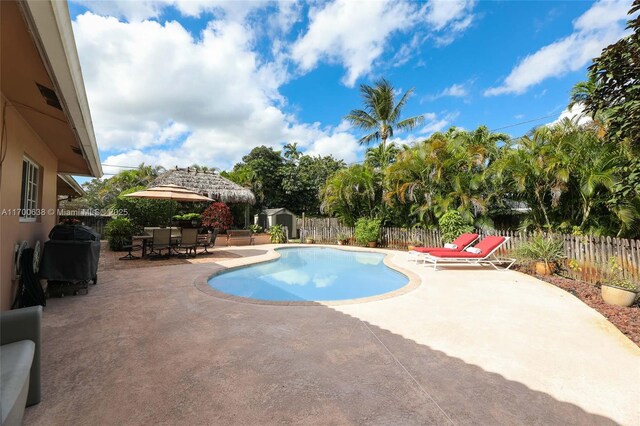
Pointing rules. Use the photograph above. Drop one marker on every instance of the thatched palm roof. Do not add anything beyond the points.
(207, 183)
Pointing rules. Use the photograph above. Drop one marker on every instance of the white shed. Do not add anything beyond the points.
(282, 216)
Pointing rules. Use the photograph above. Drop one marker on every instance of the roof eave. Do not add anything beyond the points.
(50, 24)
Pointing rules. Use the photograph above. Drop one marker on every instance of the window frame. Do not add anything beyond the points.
(29, 190)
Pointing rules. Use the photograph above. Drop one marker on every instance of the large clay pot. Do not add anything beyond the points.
(372, 244)
(617, 296)
(544, 268)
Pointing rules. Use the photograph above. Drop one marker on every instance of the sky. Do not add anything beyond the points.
(178, 82)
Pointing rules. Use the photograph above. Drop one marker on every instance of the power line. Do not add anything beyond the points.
(524, 122)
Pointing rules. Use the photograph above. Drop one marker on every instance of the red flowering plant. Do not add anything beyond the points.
(69, 221)
(217, 215)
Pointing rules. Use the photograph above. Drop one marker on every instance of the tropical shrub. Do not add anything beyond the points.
(119, 232)
(255, 228)
(452, 225)
(277, 234)
(217, 216)
(145, 212)
(616, 279)
(367, 230)
(541, 248)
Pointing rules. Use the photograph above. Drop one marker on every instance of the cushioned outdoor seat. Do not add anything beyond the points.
(457, 245)
(486, 250)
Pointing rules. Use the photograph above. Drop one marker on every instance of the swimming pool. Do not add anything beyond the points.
(312, 274)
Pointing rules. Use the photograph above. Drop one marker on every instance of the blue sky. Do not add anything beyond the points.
(174, 82)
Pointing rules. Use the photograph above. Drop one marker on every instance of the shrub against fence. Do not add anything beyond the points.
(587, 257)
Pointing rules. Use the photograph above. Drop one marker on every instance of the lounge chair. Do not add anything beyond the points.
(486, 254)
(457, 245)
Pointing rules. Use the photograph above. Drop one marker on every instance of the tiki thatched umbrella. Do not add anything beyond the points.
(212, 184)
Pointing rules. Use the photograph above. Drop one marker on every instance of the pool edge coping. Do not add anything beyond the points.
(201, 282)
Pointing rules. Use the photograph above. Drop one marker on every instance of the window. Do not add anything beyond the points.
(29, 197)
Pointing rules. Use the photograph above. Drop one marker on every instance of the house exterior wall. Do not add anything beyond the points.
(22, 141)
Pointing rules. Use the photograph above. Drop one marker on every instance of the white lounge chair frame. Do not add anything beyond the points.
(489, 259)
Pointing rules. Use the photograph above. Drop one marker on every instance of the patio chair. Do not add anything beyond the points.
(161, 241)
(483, 253)
(188, 241)
(457, 245)
(207, 240)
(130, 247)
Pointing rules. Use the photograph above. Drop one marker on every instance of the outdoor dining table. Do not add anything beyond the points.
(148, 239)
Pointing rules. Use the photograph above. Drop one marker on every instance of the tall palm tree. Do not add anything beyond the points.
(382, 114)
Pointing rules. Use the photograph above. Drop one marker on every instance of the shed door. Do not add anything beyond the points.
(286, 220)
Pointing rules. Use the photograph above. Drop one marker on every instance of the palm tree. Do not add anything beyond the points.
(382, 114)
(382, 155)
(291, 151)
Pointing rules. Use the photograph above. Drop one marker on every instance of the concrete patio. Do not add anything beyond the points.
(469, 345)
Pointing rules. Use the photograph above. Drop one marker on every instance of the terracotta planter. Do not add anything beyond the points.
(372, 244)
(261, 238)
(342, 242)
(545, 269)
(309, 241)
(617, 296)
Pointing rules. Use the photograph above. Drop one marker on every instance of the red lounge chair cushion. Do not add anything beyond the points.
(462, 241)
(486, 246)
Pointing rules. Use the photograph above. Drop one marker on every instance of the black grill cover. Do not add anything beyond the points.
(64, 260)
(73, 232)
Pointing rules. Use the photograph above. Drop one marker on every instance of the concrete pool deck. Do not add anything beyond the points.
(469, 345)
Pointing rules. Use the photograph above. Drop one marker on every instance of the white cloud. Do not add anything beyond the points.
(140, 10)
(441, 13)
(158, 95)
(576, 113)
(437, 124)
(455, 90)
(356, 36)
(598, 27)
(350, 33)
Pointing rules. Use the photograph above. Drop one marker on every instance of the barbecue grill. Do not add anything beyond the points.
(70, 259)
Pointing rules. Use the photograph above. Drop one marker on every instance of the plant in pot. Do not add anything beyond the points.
(343, 238)
(618, 290)
(367, 231)
(255, 228)
(277, 234)
(544, 251)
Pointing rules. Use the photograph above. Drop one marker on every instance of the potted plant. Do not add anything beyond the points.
(343, 238)
(277, 234)
(309, 240)
(543, 251)
(618, 290)
(367, 231)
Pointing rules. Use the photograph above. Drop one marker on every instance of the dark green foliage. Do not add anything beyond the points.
(367, 230)
(353, 192)
(614, 88)
(145, 212)
(452, 225)
(541, 248)
(119, 232)
(292, 181)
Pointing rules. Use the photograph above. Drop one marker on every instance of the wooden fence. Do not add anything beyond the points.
(587, 257)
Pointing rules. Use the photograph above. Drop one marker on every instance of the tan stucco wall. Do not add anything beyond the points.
(22, 141)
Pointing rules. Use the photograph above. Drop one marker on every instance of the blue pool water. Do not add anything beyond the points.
(312, 274)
